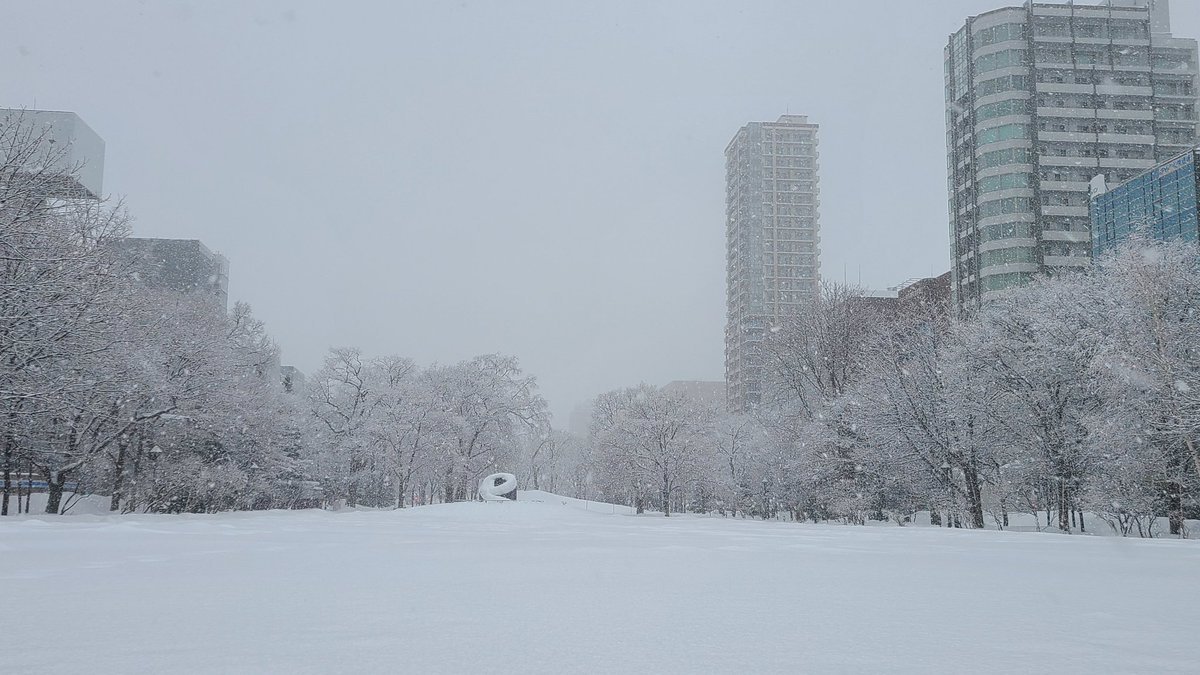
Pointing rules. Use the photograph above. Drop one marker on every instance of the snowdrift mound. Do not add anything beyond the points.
(544, 497)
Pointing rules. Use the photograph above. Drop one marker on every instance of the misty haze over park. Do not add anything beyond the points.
(532, 336)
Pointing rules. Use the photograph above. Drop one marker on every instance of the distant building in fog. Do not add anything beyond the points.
(292, 378)
(580, 420)
(183, 265)
(71, 144)
(772, 237)
(704, 392)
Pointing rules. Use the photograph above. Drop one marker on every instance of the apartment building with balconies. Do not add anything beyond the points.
(772, 242)
(1041, 98)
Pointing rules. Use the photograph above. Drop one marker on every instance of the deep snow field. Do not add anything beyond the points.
(548, 587)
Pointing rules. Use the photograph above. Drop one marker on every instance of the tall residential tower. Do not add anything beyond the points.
(772, 242)
(1040, 99)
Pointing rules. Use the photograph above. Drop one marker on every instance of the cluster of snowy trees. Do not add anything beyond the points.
(160, 400)
(385, 432)
(1072, 395)
(1076, 394)
(163, 401)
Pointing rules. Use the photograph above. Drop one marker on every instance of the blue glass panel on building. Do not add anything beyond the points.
(1160, 202)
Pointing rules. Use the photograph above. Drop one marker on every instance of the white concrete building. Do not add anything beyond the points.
(69, 144)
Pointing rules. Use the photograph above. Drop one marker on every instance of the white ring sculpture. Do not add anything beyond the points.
(489, 491)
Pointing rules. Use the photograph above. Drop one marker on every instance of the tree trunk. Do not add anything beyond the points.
(119, 475)
(1064, 511)
(974, 495)
(7, 478)
(131, 504)
(28, 485)
(1175, 507)
(55, 481)
(1194, 449)
(10, 447)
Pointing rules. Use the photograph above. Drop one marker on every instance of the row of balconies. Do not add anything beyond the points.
(1102, 162)
(1065, 186)
(1047, 63)
(1092, 137)
(1101, 113)
(1137, 90)
(1067, 39)
(1028, 267)
(1060, 235)
(1074, 114)
(1089, 12)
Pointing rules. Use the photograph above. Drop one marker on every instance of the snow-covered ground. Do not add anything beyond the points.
(562, 586)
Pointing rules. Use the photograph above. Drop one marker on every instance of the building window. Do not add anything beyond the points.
(1001, 33)
(1007, 256)
(1003, 133)
(1005, 59)
(1007, 181)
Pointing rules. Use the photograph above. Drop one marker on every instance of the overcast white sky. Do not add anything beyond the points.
(443, 179)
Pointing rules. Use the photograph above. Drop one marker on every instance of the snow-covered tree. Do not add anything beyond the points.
(655, 442)
(488, 400)
(1148, 433)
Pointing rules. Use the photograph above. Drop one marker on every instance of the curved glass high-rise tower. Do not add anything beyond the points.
(1040, 99)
